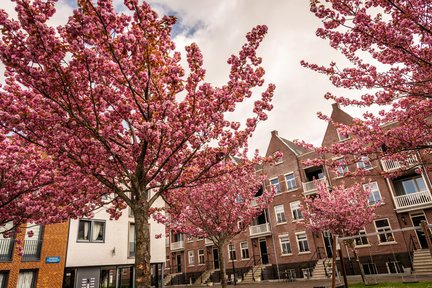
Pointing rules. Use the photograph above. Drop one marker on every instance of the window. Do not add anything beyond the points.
(91, 230)
(369, 268)
(3, 278)
(290, 181)
(342, 135)
(302, 242)
(342, 167)
(394, 267)
(6, 244)
(200, 256)
(409, 185)
(131, 240)
(275, 183)
(244, 250)
(191, 257)
(295, 210)
(285, 244)
(364, 163)
(280, 214)
(27, 279)
(32, 242)
(361, 239)
(231, 252)
(178, 237)
(108, 277)
(375, 195)
(383, 227)
(189, 238)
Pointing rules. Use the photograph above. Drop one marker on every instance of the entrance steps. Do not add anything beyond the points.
(422, 262)
(204, 277)
(319, 272)
(254, 274)
(167, 279)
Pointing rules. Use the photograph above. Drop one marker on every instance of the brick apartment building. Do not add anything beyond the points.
(43, 260)
(278, 242)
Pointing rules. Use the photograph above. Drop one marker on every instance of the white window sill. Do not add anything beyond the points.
(284, 255)
(281, 223)
(388, 243)
(363, 246)
(306, 252)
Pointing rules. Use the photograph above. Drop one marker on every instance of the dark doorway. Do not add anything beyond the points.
(327, 236)
(263, 250)
(417, 219)
(178, 257)
(216, 258)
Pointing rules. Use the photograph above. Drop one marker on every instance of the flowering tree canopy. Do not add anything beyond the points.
(388, 44)
(221, 208)
(105, 99)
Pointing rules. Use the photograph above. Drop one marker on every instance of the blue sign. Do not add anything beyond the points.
(52, 259)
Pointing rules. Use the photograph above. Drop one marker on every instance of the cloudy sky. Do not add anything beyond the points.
(219, 27)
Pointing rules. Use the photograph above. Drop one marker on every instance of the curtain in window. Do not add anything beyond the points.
(35, 229)
(97, 231)
(25, 279)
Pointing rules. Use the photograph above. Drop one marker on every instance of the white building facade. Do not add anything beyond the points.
(101, 252)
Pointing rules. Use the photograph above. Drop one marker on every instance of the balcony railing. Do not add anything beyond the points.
(132, 247)
(32, 250)
(6, 249)
(413, 199)
(208, 242)
(258, 230)
(310, 187)
(393, 165)
(180, 245)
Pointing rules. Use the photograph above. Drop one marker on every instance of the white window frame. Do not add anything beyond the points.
(293, 181)
(360, 236)
(342, 168)
(296, 213)
(373, 192)
(286, 243)
(280, 215)
(246, 248)
(277, 186)
(298, 234)
(361, 164)
(231, 252)
(191, 257)
(201, 257)
(342, 136)
(386, 235)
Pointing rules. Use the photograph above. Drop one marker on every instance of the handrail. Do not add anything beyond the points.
(256, 266)
(411, 248)
(203, 270)
(316, 253)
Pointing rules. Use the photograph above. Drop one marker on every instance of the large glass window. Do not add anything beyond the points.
(409, 185)
(302, 242)
(91, 230)
(280, 214)
(290, 181)
(375, 195)
(362, 238)
(295, 210)
(364, 163)
(275, 183)
(285, 244)
(108, 277)
(201, 256)
(244, 250)
(231, 252)
(27, 279)
(342, 167)
(384, 230)
(191, 257)
(3, 278)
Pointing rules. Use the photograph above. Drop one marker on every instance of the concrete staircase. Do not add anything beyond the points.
(253, 273)
(319, 271)
(204, 277)
(167, 279)
(422, 262)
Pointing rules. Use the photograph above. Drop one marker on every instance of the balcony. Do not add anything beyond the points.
(177, 246)
(394, 165)
(132, 248)
(208, 242)
(32, 250)
(413, 200)
(259, 230)
(310, 187)
(6, 249)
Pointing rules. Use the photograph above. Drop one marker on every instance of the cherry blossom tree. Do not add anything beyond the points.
(341, 211)
(105, 97)
(221, 208)
(388, 46)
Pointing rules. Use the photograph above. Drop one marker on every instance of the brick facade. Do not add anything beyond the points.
(48, 275)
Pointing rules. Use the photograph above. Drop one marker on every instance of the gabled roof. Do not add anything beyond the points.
(298, 150)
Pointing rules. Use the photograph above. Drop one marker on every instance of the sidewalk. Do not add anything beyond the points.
(300, 283)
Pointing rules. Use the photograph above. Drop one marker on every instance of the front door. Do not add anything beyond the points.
(263, 250)
(216, 258)
(178, 257)
(416, 220)
(327, 236)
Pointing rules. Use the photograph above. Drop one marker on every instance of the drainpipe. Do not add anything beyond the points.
(274, 250)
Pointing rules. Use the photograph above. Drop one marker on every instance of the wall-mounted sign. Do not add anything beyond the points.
(52, 259)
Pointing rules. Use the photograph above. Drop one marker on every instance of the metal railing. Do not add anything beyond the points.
(208, 242)
(393, 165)
(6, 249)
(32, 250)
(317, 254)
(413, 199)
(310, 187)
(256, 230)
(180, 245)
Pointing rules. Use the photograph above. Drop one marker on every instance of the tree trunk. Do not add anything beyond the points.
(222, 267)
(142, 252)
(334, 263)
(360, 267)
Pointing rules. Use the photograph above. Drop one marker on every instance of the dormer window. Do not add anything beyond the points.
(342, 135)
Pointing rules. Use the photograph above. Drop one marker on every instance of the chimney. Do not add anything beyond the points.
(274, 133)
(335, 106)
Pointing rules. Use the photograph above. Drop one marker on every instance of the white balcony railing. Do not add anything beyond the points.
(413, 199)
(261, 229)
(208, 242)
(310, 188)
(393, 165)
(180, 245)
